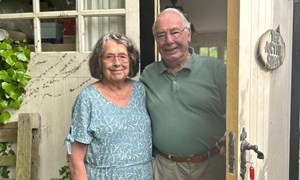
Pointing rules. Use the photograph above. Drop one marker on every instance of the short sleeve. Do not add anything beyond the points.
(79, 130)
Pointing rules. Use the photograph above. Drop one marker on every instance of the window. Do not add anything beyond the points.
(209, 51)
(64, 25)
(214, 52)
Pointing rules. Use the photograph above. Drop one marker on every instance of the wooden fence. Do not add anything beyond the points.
(26, 135)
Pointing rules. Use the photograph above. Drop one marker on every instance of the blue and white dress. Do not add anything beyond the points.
(118, 138)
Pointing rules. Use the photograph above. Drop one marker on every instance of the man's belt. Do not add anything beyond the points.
(193, 159)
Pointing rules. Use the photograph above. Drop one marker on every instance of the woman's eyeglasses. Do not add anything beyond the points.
(122, 58)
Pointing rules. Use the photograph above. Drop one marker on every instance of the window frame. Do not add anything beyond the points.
(131, 7)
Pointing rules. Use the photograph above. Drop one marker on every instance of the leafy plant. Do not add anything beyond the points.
(65, 173)
(5, 149)
(14, 58)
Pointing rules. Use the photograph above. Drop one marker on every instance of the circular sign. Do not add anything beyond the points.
(271, 49)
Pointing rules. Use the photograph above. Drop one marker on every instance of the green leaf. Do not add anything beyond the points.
(16, 104)
(16, 94)
(21, 66)
(22, 57)
(21, 77)
(13, 91)
(5, 45)
(4, 117)
(3, 104)
(4, 76)
(9, 57)
(20, 48)
(4, 171)
(3, 147)
(9, 88)
(8, 41)
(24, 79)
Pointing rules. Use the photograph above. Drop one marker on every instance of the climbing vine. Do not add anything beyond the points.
(14, 58)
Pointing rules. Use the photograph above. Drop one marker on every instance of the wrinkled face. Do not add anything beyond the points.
(172, 37)
(115, 62)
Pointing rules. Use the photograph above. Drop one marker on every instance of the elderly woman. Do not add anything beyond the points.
(110, 134)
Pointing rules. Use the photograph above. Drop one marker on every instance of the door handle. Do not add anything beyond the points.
(245, 146)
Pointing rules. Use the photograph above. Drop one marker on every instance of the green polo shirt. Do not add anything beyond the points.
(187, 110)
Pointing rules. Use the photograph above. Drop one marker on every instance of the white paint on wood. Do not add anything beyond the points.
(57, 78)
(264, 96)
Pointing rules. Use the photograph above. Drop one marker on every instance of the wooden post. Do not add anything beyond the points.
(28, 128)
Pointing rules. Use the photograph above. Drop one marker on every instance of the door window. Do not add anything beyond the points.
(63, 25)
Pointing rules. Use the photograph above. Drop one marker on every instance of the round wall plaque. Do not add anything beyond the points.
(271, 49)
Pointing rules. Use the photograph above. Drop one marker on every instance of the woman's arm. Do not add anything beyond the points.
(76, 161)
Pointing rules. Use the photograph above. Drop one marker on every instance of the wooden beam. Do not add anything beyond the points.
(233, 17)
(27, 122)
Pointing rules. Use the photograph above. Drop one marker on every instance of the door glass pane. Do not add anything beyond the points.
(19, 30)
(11, 6)
(57, 5)
(104, 4)
(58, 34)
(95, 27)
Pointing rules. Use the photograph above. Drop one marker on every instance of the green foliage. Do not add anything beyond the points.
(5, 149)
(14, 58)
(65, 173)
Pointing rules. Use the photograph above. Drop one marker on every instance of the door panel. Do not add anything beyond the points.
(59, 75)
(259, 99)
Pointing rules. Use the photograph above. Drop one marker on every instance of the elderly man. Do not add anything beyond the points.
(186, 100)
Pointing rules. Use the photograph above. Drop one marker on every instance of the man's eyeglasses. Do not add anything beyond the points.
(175, 33)
(122, 58)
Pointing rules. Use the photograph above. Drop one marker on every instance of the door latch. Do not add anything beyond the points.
(244, 147)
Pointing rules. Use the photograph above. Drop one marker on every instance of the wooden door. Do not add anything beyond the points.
(60, 70)
(258, 99)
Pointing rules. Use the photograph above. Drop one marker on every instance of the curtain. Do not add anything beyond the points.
(96, 26)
